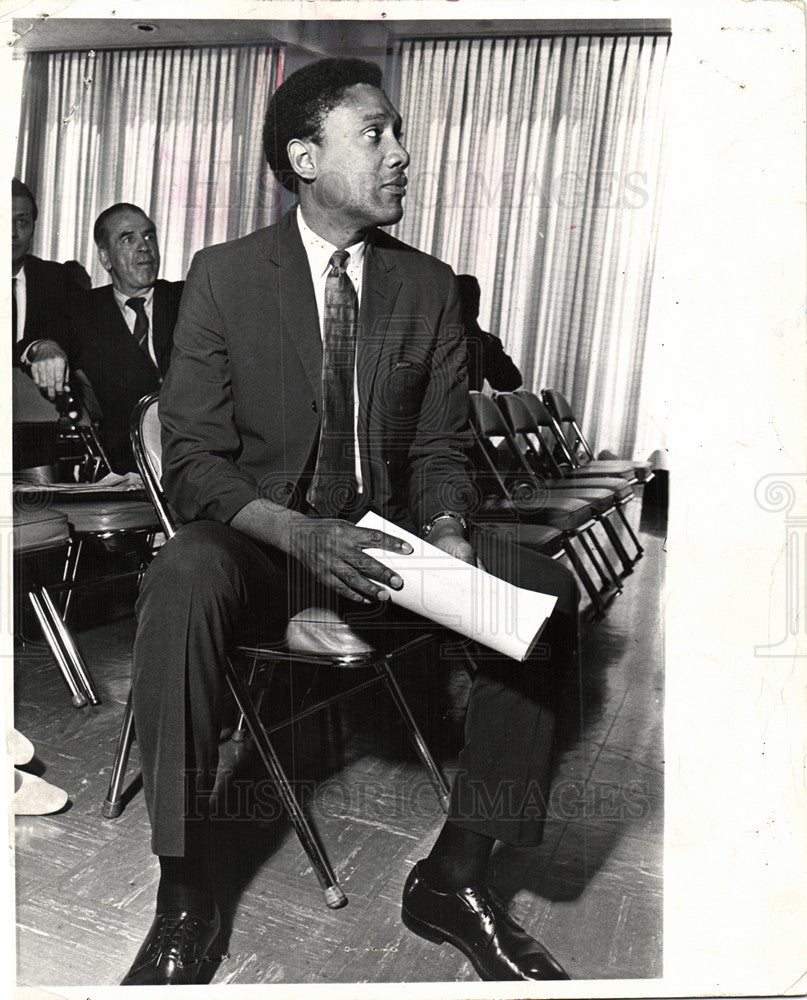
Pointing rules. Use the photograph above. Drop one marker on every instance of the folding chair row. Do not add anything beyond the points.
(512, 492)
(576, 448)
(535, 437)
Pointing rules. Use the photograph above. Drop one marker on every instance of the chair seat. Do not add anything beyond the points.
(101, 516)
(621, 487)
(323, 632)
(561, 512)
(600, 500)
(538, 537)
(39, 529)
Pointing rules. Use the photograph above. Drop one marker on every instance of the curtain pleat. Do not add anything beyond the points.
(176, 131)
(537, 166)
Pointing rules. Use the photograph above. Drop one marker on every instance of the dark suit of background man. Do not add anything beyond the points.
(124, 333)
(487, 358)
(248, 416)
(43, 294)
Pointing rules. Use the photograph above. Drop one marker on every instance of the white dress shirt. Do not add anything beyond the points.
(19, 290)
(319, 253)
(130, 316)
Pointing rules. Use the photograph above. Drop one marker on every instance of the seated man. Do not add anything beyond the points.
(487, 358)
(124, 333)
(43, 293)
(317, 373)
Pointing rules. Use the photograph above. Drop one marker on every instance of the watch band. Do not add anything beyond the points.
(429, 525)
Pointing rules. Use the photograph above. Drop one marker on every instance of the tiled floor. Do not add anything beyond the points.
(592, 891)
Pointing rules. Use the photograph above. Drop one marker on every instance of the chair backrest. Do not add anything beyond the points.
(147, 448)
(528, 435)
(561, 410)
(486, 416)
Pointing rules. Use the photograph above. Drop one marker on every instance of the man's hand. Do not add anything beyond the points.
(49, 368)
(333, 551)
(447, 535)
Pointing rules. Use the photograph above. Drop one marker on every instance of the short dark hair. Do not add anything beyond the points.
(20, 190)
(99, 230)
(300, 103)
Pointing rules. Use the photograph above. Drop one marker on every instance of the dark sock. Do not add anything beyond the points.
(185, 882)
(458, 859)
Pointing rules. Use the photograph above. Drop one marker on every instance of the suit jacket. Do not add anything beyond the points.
(487, 359)
(241, 402)
(51, 295)
(120, 373)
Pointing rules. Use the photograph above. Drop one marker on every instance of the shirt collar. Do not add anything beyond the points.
(320, 251)
(122, 299)
(19, 277)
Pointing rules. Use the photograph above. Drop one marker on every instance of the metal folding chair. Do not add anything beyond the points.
(577, 449)
(522, 497)
(314, 636)
(38, 531)
(609, 495)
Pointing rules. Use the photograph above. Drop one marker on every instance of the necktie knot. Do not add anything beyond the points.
(339, 259)
(138, 305)
(141, 327)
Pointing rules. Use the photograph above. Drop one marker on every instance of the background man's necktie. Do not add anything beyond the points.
(333, 487)
(141, 327)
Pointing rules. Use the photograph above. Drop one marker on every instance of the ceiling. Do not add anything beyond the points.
(331, 36)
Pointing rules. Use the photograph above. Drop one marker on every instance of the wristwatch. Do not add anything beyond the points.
(428, 527)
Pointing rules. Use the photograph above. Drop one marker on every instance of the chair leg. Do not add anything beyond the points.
(79, 669)
(74, 549)
(240, 731)
(630, 531)
(616, 541)
(412, 728)
(606, 561)
(334, 896)
(583, 538)
(113, 804)
(62, 660)
(583, 576)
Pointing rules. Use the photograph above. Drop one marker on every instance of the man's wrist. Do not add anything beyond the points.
(445, 520)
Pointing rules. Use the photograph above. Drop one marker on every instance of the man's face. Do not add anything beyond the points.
(131, 254)
(360, 162)
(22, 229)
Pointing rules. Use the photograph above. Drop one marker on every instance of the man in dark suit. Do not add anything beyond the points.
(43, 295)
(318, 372)
(487, 358)
(124, 333)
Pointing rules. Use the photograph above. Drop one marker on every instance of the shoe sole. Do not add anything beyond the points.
(438, 936)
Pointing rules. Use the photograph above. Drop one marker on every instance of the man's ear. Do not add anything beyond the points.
(106, 264)
(301, 160)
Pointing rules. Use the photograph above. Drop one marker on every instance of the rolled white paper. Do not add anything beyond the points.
(463, 598)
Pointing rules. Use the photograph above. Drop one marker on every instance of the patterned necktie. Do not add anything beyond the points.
(333, 487)
(141, 327)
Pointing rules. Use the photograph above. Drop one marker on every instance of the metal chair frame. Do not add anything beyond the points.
(583, 532)
(572, 471)
(60, 642)
(535, 458)
(243, 691)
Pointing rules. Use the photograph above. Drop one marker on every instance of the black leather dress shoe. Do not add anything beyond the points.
(175, 948)
(473, 921)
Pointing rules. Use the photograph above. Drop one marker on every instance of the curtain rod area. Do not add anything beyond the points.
(334, 37)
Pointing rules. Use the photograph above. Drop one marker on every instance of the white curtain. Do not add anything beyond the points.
(537, 166)
(176, 131)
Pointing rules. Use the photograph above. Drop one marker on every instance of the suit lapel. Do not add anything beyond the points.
(290, 277)
(161, 321)
(117, 339)
(381, 287)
